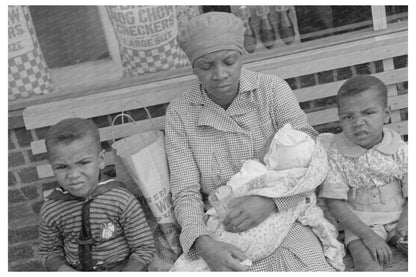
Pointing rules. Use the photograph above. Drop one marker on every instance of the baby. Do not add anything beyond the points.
(366, 186)
(293, 164)
(88, 223)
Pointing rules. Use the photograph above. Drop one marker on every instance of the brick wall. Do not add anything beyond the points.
(25, 189)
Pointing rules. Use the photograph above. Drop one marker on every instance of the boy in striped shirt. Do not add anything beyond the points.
(88, 223)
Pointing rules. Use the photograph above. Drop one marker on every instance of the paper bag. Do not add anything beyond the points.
(144, 158)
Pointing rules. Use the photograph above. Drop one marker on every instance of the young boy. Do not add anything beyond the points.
(366, 186)
(89, 223)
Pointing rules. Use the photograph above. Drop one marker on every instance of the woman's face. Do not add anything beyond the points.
(219, 74)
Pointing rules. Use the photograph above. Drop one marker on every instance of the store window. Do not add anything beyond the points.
(83, 49)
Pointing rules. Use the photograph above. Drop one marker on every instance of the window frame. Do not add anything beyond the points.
(109, 70)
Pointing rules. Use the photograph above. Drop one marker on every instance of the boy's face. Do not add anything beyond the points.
(77, 165)
(362, 117)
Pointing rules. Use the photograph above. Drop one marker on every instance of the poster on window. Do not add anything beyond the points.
(147, 38)
(28, 73)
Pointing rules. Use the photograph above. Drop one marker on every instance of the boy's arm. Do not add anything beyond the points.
(338, 208)
(377, 246)
(402, 225)
(51, 245)
(138, 235)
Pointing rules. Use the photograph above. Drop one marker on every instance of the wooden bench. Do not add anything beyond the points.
(377, 52)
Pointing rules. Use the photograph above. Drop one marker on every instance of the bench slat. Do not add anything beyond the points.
(122, 130)
(331, 115)
(331, 89)
(45, 170)
(303, 63)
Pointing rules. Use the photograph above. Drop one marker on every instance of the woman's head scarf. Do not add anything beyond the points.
(211, 32)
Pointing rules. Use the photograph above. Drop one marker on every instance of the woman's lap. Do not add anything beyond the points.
(301, 250)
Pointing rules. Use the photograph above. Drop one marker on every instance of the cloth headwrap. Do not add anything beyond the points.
(210, 32)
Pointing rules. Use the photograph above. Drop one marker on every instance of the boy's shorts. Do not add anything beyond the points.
(385, 231)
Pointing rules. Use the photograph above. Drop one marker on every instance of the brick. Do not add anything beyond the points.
(306, 106)
(12, 179)
(344, 73)
(106, 145)
(16, 196)
(158, 110)
(37, 157)
(402, 88)
(31, 192)
(379, 66)
(400, 62)
(139, 114)
(307, 80)
(24, 137)
(363, 68)
(326, 77)
(41, 132)
(332, 127)
(404, 114)
(16, 159)
(34, 265)
(20, 252)
(23, 234)
(325, 103)
(36, 206)
(50, 185)
(28, 175)
(101, 121)
(292, 83)
(11, 143)
(19, 211)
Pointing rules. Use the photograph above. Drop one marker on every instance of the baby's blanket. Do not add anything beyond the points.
(262, 240)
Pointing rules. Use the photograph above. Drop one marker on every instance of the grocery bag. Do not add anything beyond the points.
(143, 157)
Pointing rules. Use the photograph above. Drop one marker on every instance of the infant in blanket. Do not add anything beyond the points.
(289, 152)
(294, 163)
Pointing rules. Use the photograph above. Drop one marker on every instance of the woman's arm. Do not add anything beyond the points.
(184, 181)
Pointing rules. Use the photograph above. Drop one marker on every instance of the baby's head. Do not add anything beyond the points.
(74, 150)
(289, 149)
(363, 109)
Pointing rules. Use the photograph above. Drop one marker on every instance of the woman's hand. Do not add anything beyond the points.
(247, 212)
(378, 248)
(220, 256)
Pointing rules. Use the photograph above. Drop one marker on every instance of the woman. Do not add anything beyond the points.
(223, 119)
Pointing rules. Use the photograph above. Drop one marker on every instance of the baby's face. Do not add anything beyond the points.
(362, 118)
(77, 165)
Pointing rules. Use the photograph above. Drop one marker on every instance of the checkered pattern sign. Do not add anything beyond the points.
(147, 38)
(28, 73)
(138, 62)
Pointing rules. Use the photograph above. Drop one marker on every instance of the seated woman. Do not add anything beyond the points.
(224, 119)
(293, 164)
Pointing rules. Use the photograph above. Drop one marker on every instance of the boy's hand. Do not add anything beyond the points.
(379, 249)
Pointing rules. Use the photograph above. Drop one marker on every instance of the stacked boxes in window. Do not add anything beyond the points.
(28, 72)
(147, 37)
